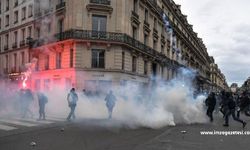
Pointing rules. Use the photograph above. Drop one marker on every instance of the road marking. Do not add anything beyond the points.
(34, 121)
(6, 128)
(15, 122)
(56, 119)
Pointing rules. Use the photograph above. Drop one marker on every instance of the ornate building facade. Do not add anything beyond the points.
(96, 44)
(217, 77)
(16, 25)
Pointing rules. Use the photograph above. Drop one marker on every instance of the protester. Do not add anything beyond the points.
(72, 99)
(231, 111)
(110, 103)
(42, 100)
(210, 103)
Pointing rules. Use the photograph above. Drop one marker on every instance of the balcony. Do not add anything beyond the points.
(102, 2)
(48, 11)
(6, 47)
(14, 45)
(38, 14)
(60, 6)
(22, 43)
(110, 37)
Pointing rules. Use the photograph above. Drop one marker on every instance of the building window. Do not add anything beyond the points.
(23, 13)
(155, 44)
(29, 31)
(58, 60)
(154, 69)
(15, 3)
(30, 11)
(22, 58)
(146, 15)
(134, 32)
(60, 25)
(0, 23)
(162, 48)
(7, 19)
(71, 58)
(15, 17)
(135, 8)
(15, 63)
(99, 23)
(6, 62)
(145, 39)
(155, 23)
(98, 58)
(134, 64)
(6, 42)
(38, 32)
(123, 60)
(15, 40)
(37, 84)
(7, 5)
(49, 27)
(145, 67)
(47, 84)
(23, 34)
(37, 64)
(46, 64)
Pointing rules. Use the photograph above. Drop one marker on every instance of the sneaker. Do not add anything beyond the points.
(225, 125)
(244, 124)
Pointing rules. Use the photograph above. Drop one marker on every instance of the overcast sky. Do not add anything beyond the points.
(224, 26)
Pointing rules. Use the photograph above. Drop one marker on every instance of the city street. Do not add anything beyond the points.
(90, 134)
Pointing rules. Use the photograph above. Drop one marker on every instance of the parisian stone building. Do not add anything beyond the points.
(217, 78)
(16, 25)
(98, 44)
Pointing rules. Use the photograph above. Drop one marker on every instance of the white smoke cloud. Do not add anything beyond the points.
(163, 105)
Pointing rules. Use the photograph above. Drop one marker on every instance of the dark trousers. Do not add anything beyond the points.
(72, 112)
(42, 112)
(232, 112)
(210, 111)
(245, 112)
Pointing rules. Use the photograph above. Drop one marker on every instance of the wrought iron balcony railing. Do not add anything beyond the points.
(103, 2)
(121, 38)
(14, 45)
(22, 43)
(6, 47)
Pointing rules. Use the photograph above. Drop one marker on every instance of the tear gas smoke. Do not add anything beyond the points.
(165, 104)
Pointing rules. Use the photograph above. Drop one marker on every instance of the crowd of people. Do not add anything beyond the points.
(229, 104)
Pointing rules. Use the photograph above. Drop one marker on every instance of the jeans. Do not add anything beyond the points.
(72, 111)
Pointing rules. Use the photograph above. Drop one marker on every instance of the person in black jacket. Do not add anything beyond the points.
(231, 111)
(223, 103)
(244, 103)
(210, 103)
